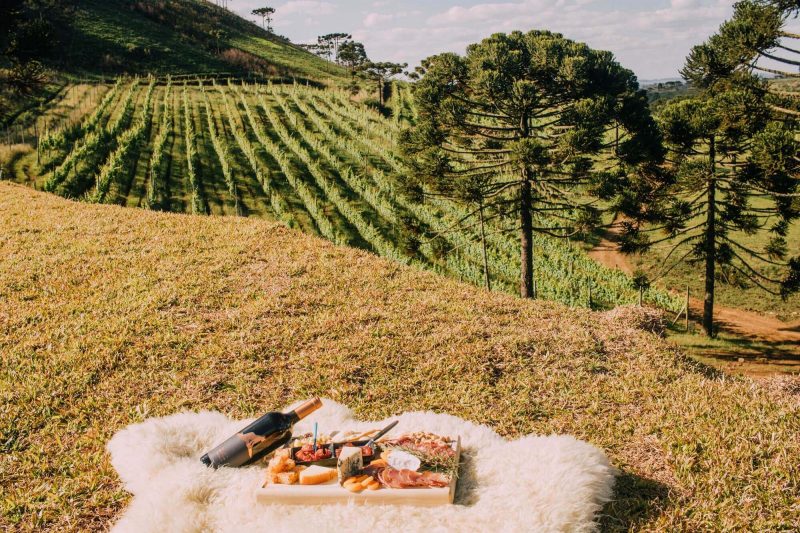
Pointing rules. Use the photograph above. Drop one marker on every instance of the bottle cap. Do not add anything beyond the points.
(308, 407)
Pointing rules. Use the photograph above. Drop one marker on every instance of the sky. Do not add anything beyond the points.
(650, 37)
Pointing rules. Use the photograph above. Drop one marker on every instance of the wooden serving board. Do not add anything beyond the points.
(332, 492)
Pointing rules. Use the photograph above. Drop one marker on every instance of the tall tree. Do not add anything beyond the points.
(219, 36)
(323, 48)
(727, 153)
(530, 117)
(265, 13)
(755, 39)
(352, 54)
(334, 41)
(735, 155)
(382, 73)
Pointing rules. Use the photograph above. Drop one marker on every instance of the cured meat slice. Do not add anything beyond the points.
(403, 479)
(425, 443)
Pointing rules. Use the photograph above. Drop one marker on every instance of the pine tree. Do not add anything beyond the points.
(526, 125)
(734, 155)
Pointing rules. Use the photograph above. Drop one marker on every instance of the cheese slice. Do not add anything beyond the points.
(350, 463)
(315, 474)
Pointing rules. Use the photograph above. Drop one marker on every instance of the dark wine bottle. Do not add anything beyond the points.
(260, 438)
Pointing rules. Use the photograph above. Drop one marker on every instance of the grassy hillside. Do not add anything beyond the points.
(308, 157)
(112, 315)
(179, 37)
(106, 38)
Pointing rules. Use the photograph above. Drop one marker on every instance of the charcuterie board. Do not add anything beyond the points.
(332, 492)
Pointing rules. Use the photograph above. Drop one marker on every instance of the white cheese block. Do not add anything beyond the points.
(350, 463)
(315, 474)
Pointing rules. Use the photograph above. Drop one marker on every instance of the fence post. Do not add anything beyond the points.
(36, 132)
(590, 295)
(641, 295)
(687, 308)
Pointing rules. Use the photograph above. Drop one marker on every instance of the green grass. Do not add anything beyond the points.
(737, 355)
(110, 315)
(112, 36)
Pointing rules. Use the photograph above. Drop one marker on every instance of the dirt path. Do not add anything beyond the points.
(747, 324)
(607, 252)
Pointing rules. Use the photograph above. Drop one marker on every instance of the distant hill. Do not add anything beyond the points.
(648, 83)
(107, 38)
(661, 91)
(110, 37)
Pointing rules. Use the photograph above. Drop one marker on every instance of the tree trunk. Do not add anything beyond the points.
(380, 93)
(526, 237)
(710, 242)
(485, 255)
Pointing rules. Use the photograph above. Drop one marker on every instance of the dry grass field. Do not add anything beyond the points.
(111, 315)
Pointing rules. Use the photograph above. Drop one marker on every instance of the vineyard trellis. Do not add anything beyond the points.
(316, 160)
(156, 187)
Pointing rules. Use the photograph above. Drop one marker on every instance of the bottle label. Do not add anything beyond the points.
(244, 448)
(255, 443)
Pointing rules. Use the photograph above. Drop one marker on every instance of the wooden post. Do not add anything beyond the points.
(485, 254)
(687, 308)
(641, 295)
(36, 132)
(590, 295)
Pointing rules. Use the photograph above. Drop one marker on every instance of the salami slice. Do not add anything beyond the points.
(404, 479)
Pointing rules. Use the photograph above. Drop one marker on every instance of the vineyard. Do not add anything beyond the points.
(308, 157)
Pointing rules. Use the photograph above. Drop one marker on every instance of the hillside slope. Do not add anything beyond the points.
(311, 158)
(111, 315)
(179, 37)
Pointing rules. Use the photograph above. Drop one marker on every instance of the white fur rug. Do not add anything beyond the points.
(554, 483)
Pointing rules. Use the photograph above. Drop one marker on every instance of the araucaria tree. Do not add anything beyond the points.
(331, 44)
(266, 16)
(382, 73)
(533, 126)
(352, 54)
(734, 154)
(730, 161)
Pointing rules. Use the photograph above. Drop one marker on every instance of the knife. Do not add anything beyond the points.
(381, 433)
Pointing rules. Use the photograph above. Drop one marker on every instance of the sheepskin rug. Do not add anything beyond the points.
(554, 483)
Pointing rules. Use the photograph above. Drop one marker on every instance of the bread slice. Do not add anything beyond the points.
(315, 474)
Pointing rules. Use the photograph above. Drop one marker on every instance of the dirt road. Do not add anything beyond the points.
(747, 324)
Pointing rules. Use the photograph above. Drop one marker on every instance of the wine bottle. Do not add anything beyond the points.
(260, 438)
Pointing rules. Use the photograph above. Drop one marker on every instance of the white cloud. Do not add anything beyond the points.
(652, 37)
(375, 19)
(307, 7)
(652, 41)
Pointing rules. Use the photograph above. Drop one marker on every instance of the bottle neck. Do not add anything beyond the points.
(306, 409)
